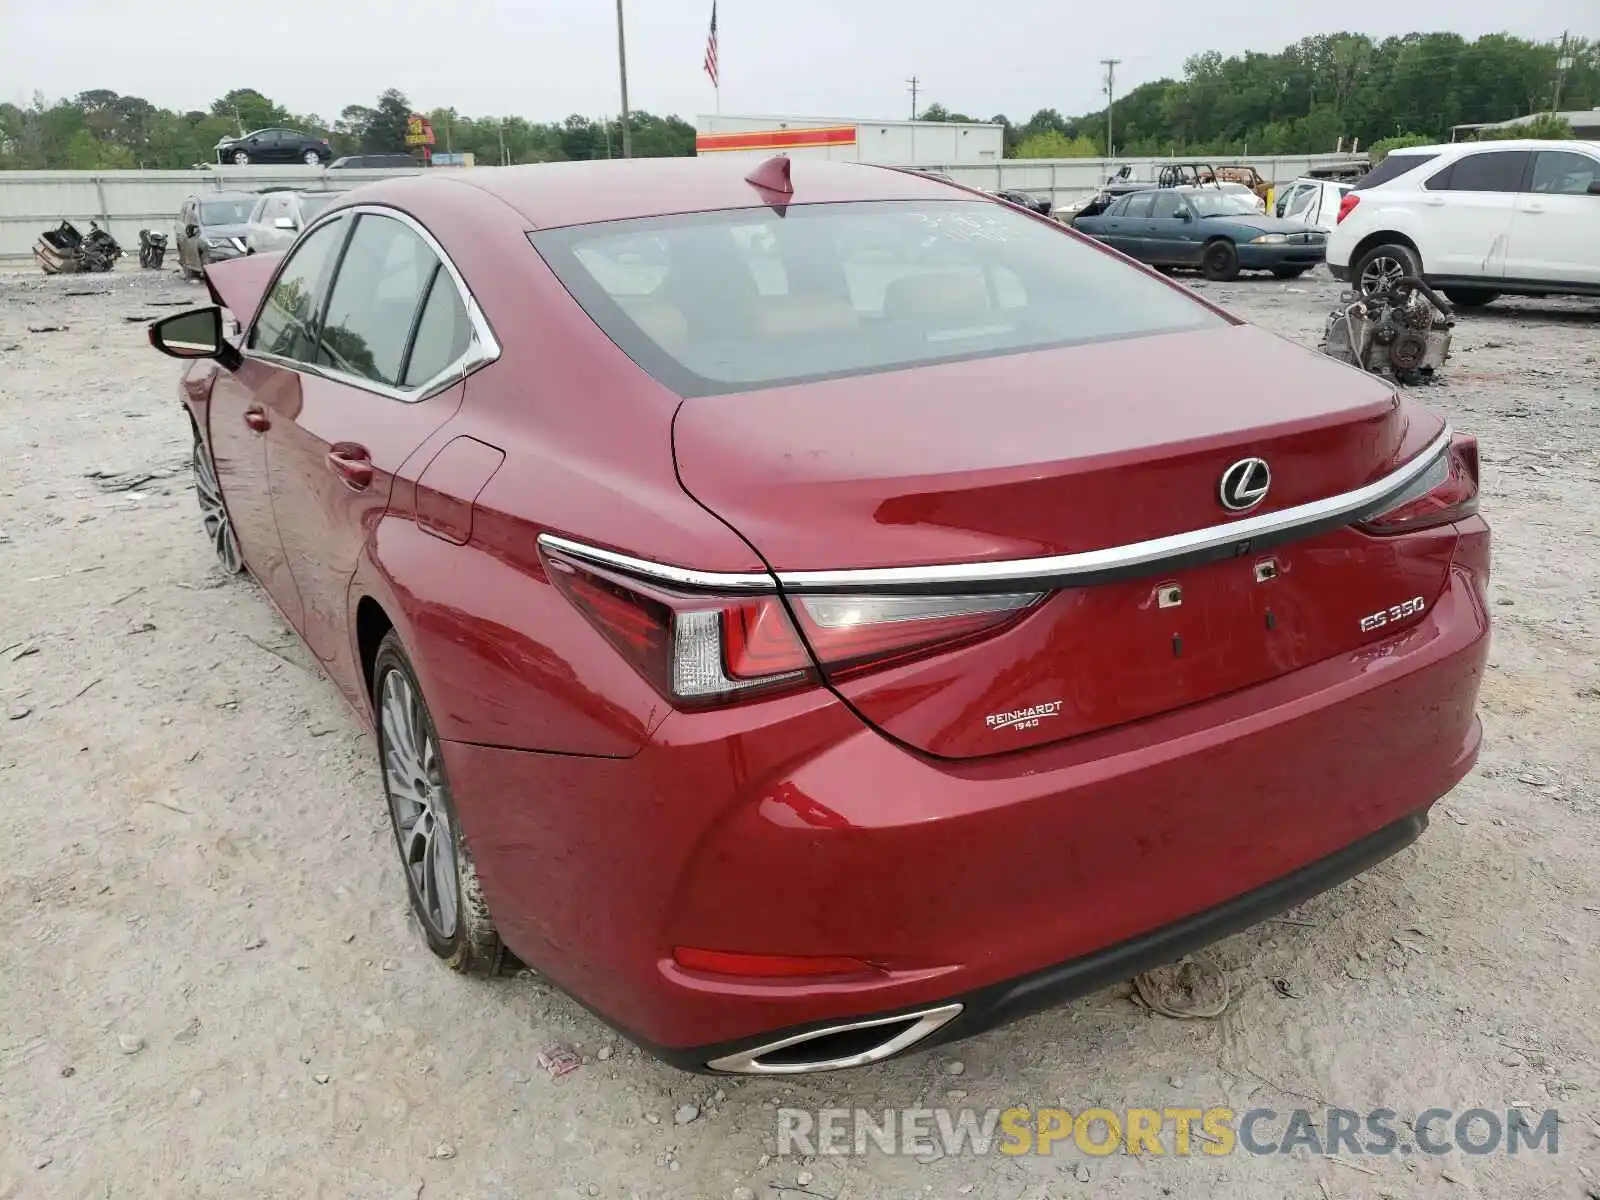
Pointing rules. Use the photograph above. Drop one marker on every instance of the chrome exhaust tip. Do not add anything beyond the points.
(853, 1044)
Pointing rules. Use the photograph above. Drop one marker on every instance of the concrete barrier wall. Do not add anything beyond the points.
(126, 201)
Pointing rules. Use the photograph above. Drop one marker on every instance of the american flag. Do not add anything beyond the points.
(711, 48)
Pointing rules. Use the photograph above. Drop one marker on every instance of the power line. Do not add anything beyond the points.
(1110, 65)
(913, 81)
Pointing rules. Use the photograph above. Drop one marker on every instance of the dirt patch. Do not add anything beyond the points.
(209, 986)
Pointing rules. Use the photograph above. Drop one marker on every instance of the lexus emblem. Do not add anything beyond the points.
(1245, 484)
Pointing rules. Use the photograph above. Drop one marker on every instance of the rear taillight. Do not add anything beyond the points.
(680, 642)
(850, 634)
(1347, 205)
(1447, 491)
(701, 649)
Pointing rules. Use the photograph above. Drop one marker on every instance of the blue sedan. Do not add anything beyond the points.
(1217, 231)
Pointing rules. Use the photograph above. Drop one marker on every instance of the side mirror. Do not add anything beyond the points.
(1594, 187)
(284, 223)
(194, 334)
(1185, 214)
(191, 230)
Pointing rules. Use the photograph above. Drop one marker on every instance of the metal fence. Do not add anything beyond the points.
(126, 201)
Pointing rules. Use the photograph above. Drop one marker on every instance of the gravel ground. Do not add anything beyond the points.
(209, 985)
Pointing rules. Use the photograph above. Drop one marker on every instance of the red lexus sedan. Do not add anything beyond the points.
(811, 613)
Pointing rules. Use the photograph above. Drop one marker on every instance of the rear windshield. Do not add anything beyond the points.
(310, 206)
(730, 301)
(1392, 167)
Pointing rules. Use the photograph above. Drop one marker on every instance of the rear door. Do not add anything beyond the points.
(1555, 235)
(1467, 210)
(1129, 230)
(391, 351)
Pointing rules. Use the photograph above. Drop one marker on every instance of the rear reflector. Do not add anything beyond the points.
(1447, 491)
(769, 966)
(1347, 205)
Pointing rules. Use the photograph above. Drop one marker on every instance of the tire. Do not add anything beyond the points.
(241, 158)
(312, 159)
(1220, 262)
(1288, 272)
(441, 882)
(1471, 297)
(1383, 265)
(213, 513)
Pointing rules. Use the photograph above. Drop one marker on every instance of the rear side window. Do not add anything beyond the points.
(731, 301)
(1139, 205)
(443, 332)
(287, 324)
(380, 285)
(1392, 167)
(1495, 171)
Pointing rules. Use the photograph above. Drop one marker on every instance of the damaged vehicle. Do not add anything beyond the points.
(818, 613)
(65, 251)
(212, 228)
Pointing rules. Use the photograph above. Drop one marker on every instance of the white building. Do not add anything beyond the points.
(889, 143)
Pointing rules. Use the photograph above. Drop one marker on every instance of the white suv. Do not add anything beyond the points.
(1478, 219)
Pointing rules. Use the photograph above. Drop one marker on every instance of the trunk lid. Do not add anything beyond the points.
(1064, 452)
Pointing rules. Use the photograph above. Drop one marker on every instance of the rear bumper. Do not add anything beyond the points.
(788, 827)
(1011, 999)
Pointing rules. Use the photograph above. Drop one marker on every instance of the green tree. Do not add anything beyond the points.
(1542, 126)
(1381, 149)
(1053, 144)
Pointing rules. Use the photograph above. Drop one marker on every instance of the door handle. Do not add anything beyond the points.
(351, 463)
(1435, 201)
(1534, 208)
(256, 418)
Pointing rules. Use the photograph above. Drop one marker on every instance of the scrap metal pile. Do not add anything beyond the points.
(65, 251)
(1401, 329)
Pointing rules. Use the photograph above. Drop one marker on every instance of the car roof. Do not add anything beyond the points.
(228, 195)
(549, 195)
(1508, 144)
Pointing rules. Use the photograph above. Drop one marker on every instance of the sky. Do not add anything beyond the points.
(546, 59)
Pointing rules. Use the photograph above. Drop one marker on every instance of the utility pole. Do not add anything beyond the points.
(1563, 65)
(913, 82)
(1110, 64)
(622, 67)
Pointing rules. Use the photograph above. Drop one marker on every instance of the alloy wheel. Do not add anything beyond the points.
(415, 785)
(213, 514)
(1381, 271)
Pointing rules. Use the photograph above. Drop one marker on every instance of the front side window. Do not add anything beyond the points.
(382, 279)
(732, 301)
(287, 326)
(1300, 202)
(1167, 204)
(1563, 173)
